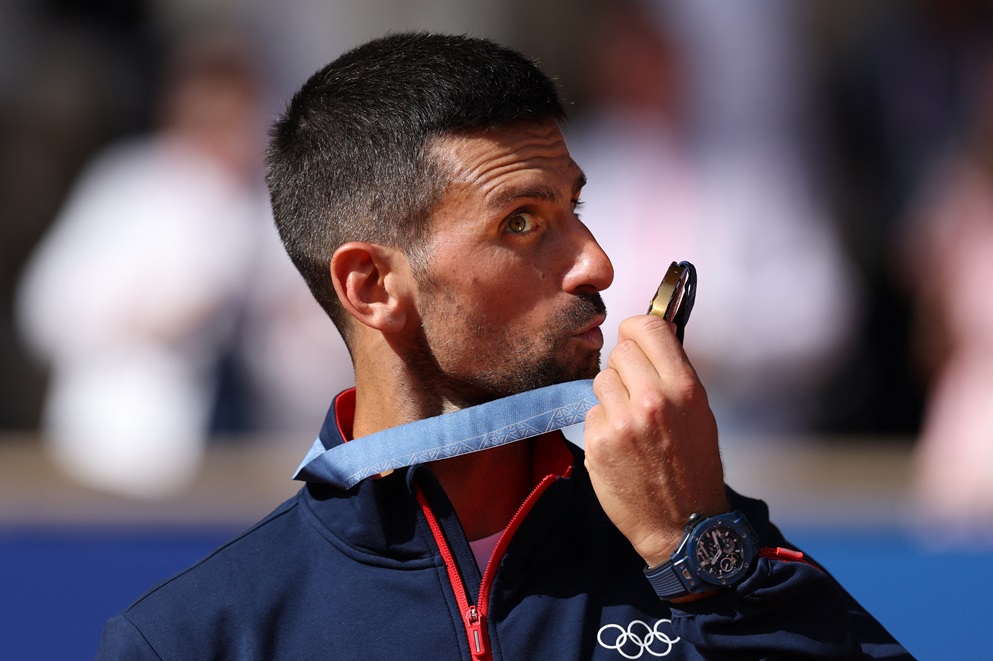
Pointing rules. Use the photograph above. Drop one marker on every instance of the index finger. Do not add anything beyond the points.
(655, 337)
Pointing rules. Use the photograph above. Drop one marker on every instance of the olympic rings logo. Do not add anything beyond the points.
(637, 639)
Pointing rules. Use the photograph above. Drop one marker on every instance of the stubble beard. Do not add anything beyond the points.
(511, 364)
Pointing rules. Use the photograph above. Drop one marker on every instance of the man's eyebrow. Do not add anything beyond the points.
(540, 192)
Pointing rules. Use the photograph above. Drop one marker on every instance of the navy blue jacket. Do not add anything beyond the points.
(384, 571)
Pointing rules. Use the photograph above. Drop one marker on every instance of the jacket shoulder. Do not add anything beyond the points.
(232, 583)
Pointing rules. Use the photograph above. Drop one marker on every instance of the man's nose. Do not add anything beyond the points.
(591, 271)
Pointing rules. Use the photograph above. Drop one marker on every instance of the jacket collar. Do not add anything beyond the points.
(337, 427)
(378, 518)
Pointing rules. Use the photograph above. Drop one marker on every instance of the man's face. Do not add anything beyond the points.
(507, 293)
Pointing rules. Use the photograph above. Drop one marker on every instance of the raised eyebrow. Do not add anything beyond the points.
(542, 193)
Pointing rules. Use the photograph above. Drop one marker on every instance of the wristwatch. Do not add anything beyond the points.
(716, 551)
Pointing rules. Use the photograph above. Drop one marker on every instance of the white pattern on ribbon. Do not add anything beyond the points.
(572, 413)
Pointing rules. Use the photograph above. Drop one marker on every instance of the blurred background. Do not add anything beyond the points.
(826, 164)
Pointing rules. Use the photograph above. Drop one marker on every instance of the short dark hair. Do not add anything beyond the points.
(349, 160)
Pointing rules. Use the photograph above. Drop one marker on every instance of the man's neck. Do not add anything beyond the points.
(487, 488)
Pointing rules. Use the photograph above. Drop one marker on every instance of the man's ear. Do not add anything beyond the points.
(372, 282)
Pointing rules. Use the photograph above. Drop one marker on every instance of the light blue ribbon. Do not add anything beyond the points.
(489, 425)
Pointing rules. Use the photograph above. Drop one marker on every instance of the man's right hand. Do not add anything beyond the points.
(651, 442)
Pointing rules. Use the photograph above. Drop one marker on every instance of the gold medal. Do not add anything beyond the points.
(675, 296)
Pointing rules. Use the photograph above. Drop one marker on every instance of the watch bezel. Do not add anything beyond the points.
(736, 523)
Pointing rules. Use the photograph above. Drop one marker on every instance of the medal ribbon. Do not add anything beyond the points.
(476, 428)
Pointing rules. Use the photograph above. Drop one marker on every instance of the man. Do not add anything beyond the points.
(423, 189)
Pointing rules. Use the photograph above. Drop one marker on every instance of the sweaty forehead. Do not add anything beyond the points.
(489, 161)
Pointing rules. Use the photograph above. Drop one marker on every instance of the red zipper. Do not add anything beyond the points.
(508, 533)
(474, 615)
(475, 627)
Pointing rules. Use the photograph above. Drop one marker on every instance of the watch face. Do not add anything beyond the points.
(719, 554)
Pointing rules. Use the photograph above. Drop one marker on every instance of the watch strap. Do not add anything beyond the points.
(665, 580)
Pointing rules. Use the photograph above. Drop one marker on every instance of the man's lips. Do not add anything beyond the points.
(591, 332)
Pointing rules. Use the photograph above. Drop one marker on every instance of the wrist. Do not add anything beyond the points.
(661, 548)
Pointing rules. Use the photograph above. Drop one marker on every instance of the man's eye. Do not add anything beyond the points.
(520, 223)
